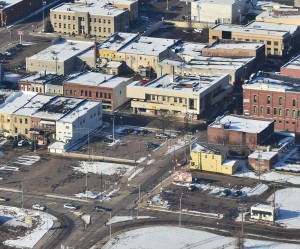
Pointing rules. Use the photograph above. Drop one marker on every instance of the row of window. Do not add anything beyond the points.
(169, 99)
(36, 89)
(81, 27)
(277, 112)
(275, 43)
(81, 18)
(89, 94)
(280, 100)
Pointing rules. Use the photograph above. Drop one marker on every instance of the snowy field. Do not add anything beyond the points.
(268, 176)
(104, 168)
(290, 162)
(182, 238)
(15, 217)
(289, 202)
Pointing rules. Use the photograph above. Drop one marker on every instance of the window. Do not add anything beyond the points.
(75, 93)
(254, 109)
(67, 92)
(65, 25)
(108, 21)
(163, 98)
(99, 20)
(73, 18)
(97, 95)
(69, 18)
(71, 92)
(280, 112)
(26, 121)
(294, 102)
(108, 30)
(95, 20)
(275, 111)
(104, 29)
(105, 96)
(101, 95)
(268, 110)
(269, 42)
(298, 114)
(294, 113)
(59, 16)
(81, 93)
(280, 100)
(180, 100)
(26, 131)
(99, 29)
(276, 51)
(90, 94)
(275, 43)
(104, 21)
(59, 25)
(287, 112)
(262, 110)
(21, 121)
(64, 17)
(268, 99)
(73, 26)
(86, 93)
(16, 130)
(109, 96)
(255, 98)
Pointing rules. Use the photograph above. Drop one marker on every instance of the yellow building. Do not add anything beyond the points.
(207, 159)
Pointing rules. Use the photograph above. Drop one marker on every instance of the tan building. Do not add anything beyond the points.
(100, 18)
(280, 17)
(177, 95)
(61, 58)
(279, 39)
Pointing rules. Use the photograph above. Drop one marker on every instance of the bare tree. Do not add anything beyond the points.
(239, 242)
(164, 120)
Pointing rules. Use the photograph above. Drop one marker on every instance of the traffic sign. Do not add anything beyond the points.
(20, 32)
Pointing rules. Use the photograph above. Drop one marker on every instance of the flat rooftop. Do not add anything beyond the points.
(293, 64)
(9, 3)
(98, 8)
(202, 148)
(118, 41)
(191, 85)
(41, 78)
(249, 30)
(148, 46)
(263, 155)
(96, 79)
(246, 46)
(79, 111)
(15, 101)
(188, 48)
(223, 2)
(272, 26)
(62, 50)
(264, 206)
(278, 84)
(241, 124)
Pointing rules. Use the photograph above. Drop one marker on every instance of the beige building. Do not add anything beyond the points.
(178, 95)
(279, 39)
(279, 17)
(100, 18)
(61, 58)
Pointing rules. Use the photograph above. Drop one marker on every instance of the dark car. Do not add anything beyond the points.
(19, 47)
(144, 132)
(136, 132)
(22, 67)
(226, 192)
(125, 131)
(151, 145)
(238, 193)
(101, 209)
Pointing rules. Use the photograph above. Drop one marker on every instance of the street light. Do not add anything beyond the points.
(180, 209)
(121, 118)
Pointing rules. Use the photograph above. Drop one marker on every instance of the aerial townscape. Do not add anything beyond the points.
(150, 124)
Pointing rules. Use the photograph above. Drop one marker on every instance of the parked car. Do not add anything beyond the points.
(71, 206)
(198, 30)
(238, 193)
(20, 67)
(19, 47)
(136, 132)
(125, 131)
(151, 145)
(39, 207)
(101, 209)
(4, 198)
(144, 132)
(226, 192)
(109, 138)
(162, 135)
(22, 143)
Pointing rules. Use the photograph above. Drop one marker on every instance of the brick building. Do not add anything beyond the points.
(235, 130)
(13, 10)
(111, 89)
(275, 97)
(291, 68)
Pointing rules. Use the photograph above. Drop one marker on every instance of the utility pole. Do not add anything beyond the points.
(86, 172)
(180, 209)
(22, 195)
(113, 119)
(44, 4)
(110, 226)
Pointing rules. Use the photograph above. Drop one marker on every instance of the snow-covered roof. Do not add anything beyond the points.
(223, 2)
(272, 26)
(229, 163)
(200, 148)
(79, 111)
(62, 50)
(9, 3)
(241, 124)
(263, 155)
(268, 14)
(293, 64)
(188, 48)
(16, 101)
(192, 85)
(263, 207)
(40, 78)
(117, 41)
(246, 46)
(148, 46)
(114, 64)
(97, 79)
(99, 8)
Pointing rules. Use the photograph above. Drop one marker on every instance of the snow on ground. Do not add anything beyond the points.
(151, 161)
(27, 160)
(117, 219)
(9, 168)
(290, 162)
(108, 197)
(104, 168)
(180, 143)
(289, 202)
(268, 176)
(136, 172)
(13, 216)
(183, 238)
(142, 159)
(89, 194)
(257, 190)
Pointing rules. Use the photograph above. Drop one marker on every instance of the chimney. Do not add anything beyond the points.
(172, 74)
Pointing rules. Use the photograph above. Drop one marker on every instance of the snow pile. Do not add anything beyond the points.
(180, 238)
(27, 160)
(175, 147)
(158, 201)
(136, 172)
(117, 219)
(109, 195)
(257, 190)
(142, 159)
(14, 217)
(289, 202)
(9, 168)
(103, 167)
(88, 194)
(151, 161)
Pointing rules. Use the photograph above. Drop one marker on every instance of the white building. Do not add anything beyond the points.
(60, 58)
(264, 212)
(219, 11)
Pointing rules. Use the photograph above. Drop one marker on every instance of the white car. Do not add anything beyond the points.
(3, 198)
(21, 143)
(198, 30)
(39, 207)
(70, 206)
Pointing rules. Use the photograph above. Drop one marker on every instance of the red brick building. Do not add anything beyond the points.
(240, 130)
(14, 10)
(292, 68)
(276, 98)
(111, 89)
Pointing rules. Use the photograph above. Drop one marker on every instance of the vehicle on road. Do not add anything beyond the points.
(198, 30)
(151, 145)
(39, 207)
(162, 135)
(145, 132)
(109, 139)
(226, 192)
(21, 143)
(4, 198)
(71, 206)
(101, 209)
